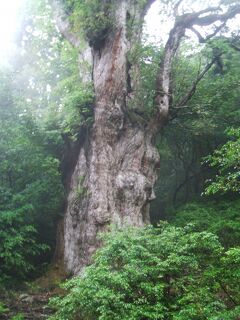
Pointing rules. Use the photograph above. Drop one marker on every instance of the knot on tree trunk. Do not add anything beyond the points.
(133, 191)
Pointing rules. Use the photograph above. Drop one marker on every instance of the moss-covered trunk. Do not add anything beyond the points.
(113, 179)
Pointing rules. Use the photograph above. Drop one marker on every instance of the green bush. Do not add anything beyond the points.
(18, 244)
(219, 217)
(154, 273)
(31, 191)
(3, 308)
(226, 160)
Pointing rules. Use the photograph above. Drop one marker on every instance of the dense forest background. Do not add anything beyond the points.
(46, 110)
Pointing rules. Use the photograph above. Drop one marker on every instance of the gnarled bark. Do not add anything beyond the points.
(113, 179)
(116, 169)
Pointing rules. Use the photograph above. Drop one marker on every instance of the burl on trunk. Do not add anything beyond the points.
(113, 179)
(116, 168)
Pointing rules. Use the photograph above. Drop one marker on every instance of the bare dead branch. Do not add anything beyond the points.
(186, 21)
(189, 19)
(201, 12)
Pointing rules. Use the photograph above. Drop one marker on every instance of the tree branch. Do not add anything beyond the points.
(192, 90)
(198, 34)
(147, 7)
(201, 39)
(209, 19)
(235, 47)
(64, 25)
(176, 7)
(216, 31)
(227, 293)
(186, 21)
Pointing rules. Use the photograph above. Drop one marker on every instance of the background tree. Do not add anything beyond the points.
(198, 128)
(31, 192)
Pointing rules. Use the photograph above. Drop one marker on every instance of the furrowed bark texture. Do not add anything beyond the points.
(114, 175)
(113, 180)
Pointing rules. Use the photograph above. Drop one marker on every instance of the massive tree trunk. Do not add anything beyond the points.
(113, 179)
(114, 175)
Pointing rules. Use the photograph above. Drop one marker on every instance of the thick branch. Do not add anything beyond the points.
(163, 80)
(147, 7)
(148, 4)
(64, 25)
(176, 8)
(209, 19)
(202, 39)
(183, 22)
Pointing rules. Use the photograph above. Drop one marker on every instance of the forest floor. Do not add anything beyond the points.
(25, 306)
(31, 302)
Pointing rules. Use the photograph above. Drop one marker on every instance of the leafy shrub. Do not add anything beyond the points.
(221, 218)
(18, 244)
(227, 161)
(3, 308)
(153, 273)
(31, 192)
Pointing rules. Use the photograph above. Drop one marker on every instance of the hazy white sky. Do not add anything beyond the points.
(8, 25)
(156, 28)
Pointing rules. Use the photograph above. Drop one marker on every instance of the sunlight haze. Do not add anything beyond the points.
(156, 29)
(8, 26)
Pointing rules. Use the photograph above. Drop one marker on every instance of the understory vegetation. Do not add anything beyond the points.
(186, 265)
(165, 272)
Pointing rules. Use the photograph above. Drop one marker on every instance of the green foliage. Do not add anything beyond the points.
(31, 192)
(92, 17)
(43, 105)
(198, 128)
(152, 273)
(77, 106)
(146, 58)
(219, 217)
(18, 243)
(227, 161)
(3, 308)
(55, 91)
(18, 316)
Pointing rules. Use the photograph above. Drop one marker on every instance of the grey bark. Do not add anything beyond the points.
(113, 179)
(112, 182)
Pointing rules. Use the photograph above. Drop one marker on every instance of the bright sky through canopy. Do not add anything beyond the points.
(8, 26)
(156, 28)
